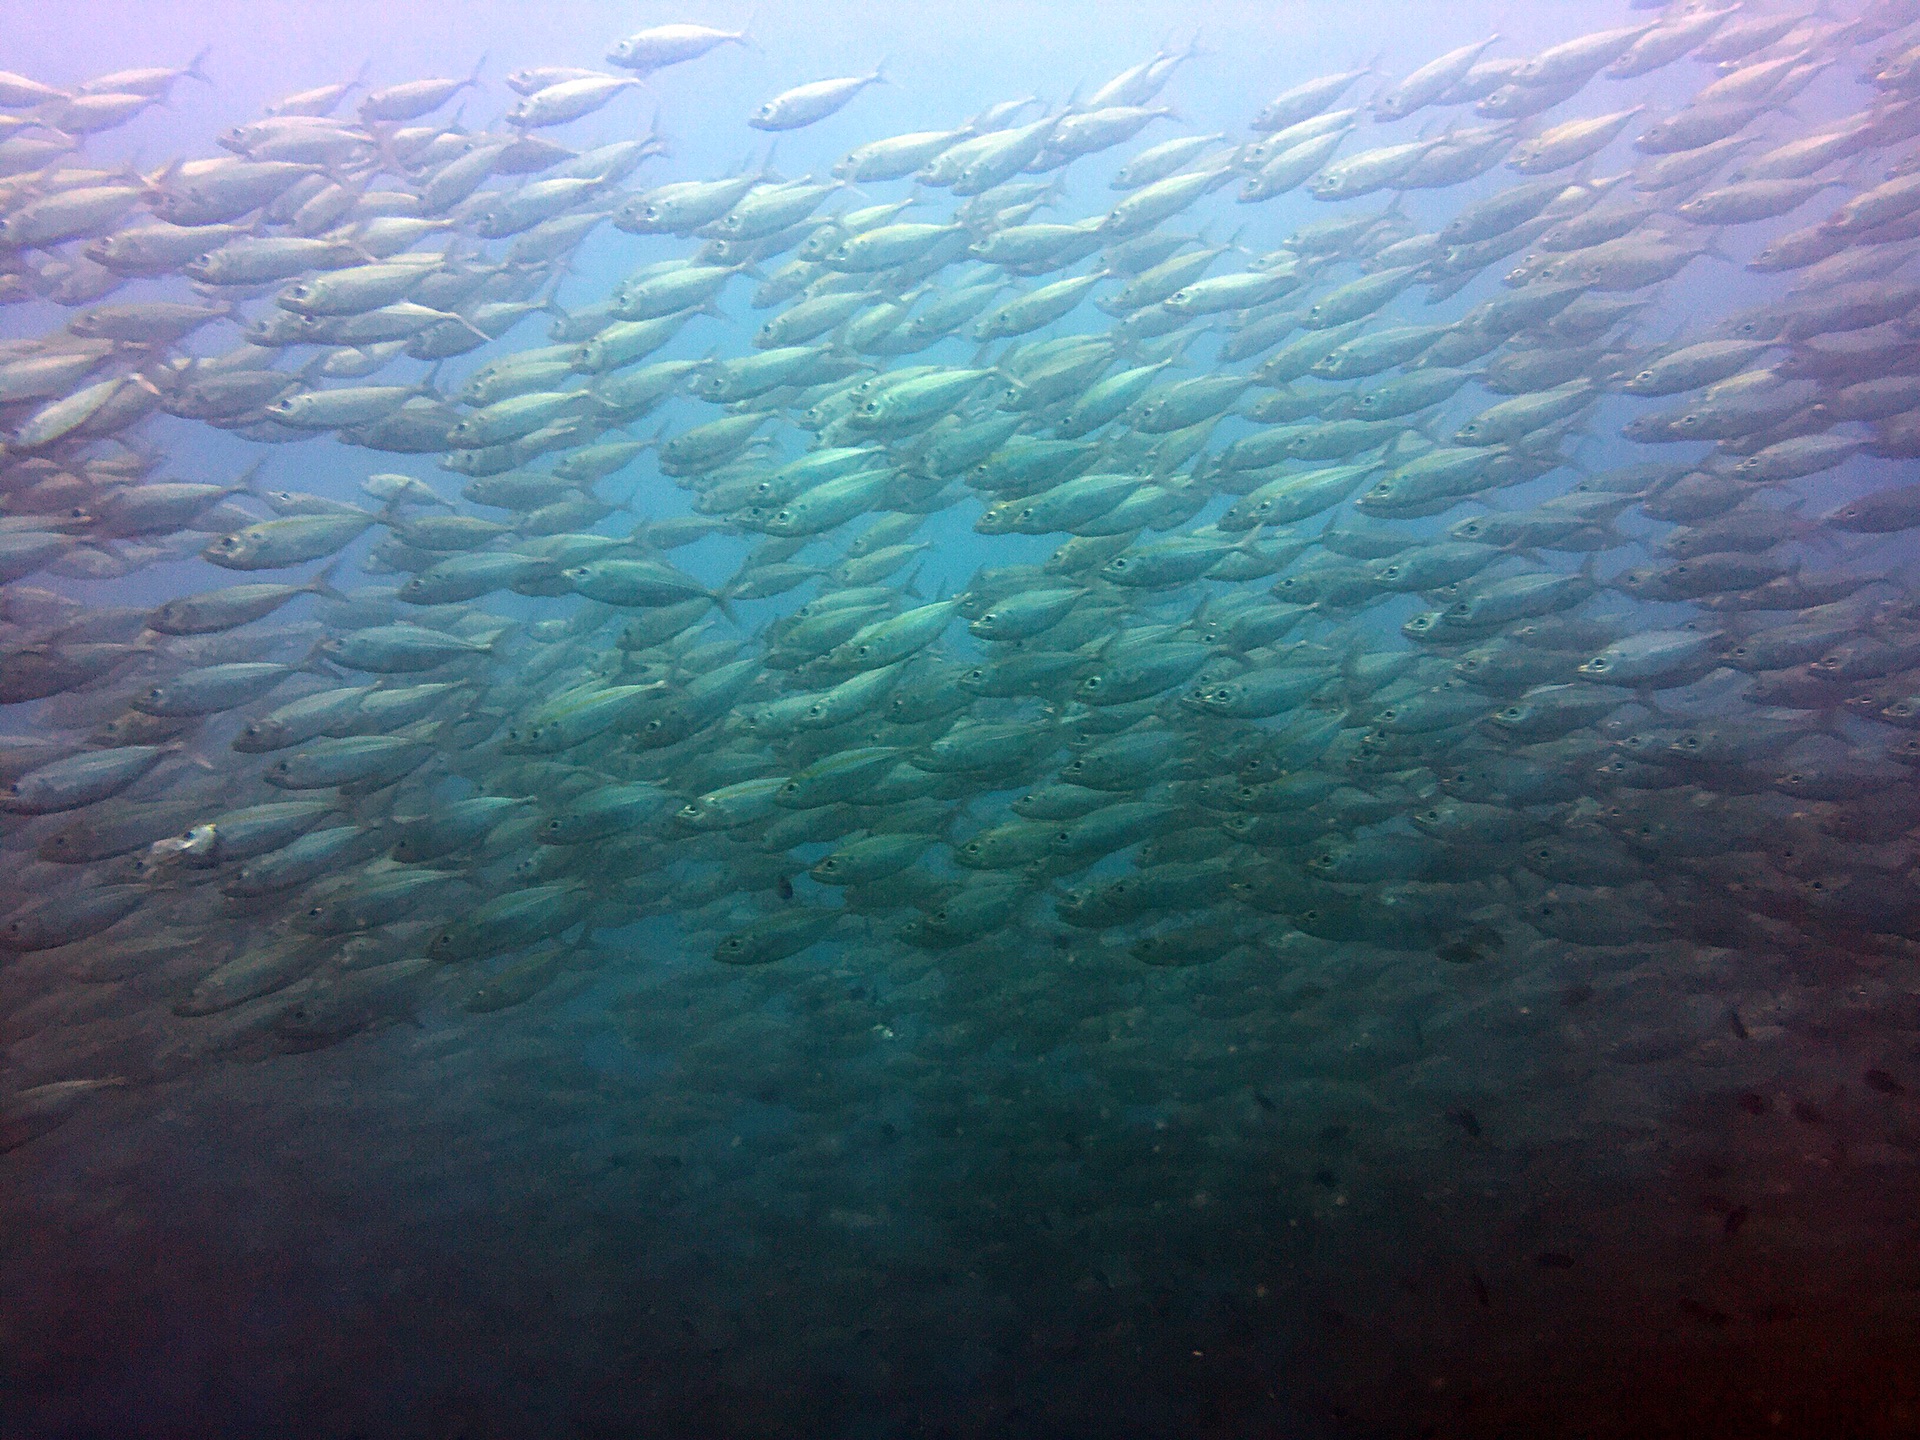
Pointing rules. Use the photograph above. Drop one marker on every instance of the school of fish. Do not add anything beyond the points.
(1319, 653)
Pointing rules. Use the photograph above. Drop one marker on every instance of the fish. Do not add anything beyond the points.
(1175, 703)
(659, 46)
(808, 104)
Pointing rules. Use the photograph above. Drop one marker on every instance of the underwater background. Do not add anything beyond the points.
(1466, 1169)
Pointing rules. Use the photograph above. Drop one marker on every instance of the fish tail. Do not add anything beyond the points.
(322, 583)
(654, 142)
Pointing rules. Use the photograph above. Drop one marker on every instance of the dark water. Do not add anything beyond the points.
(1663, 1183)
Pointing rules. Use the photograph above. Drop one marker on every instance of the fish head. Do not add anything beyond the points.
(444, 943)
(1472, 528)
(1688, 746)
(1216, 698)
(229, 547)
(258, 736)
(1599, 667)
(672, 727)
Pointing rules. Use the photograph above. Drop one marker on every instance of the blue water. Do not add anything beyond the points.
(884, 1201)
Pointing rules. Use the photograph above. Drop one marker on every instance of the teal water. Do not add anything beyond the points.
(1612, 1143)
